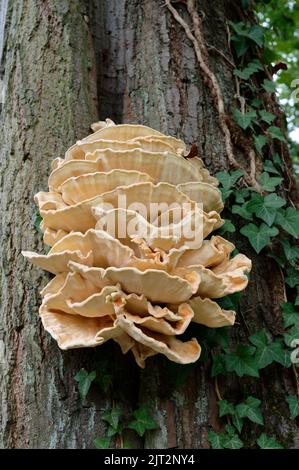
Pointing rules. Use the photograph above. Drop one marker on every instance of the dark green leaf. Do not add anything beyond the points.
(228, 226)
(269, 86)
(264, 207)
(241, 211)
(290, 315)
(270, 168)
(266, 442)
(225, 408)
(259, 142)
(245, 120)
(142, 422)
(293, 403)
(242, 361)
(276, 133)
(259, 237)
(292, 278)
(215, 440)
(267, 117)
(112, 417)
(84, 380)
(218, 366)
(237, 422)
(229, 179)
(37, 221)
(251, 409)
(102, 443)
(268, 182)
(289, 220)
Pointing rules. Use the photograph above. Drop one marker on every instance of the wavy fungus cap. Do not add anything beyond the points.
(127, 217)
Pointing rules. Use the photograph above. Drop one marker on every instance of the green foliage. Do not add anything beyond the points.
(268, 182)
(266, 116)
(84, 380)
(269, 86)
(245, 120)
(103, 443)
(112, 418)
(276, 133)
(253, 67)
(268, 351)
(225, 440)
(265, 208)
(288, 219)
(246, 36)
(37, 220)
(251, 409)
(259, 236)
(228, 226)
(266, 442)
(242, 361)
(143, 421)
(293, 403)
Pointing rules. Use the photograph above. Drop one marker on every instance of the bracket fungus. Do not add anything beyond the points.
(128, 218)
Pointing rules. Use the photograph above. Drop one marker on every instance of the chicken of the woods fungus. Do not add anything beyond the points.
(129, 217)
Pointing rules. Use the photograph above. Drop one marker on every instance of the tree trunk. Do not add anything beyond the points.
(65, 64)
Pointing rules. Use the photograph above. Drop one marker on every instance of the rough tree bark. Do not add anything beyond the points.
(64, 65)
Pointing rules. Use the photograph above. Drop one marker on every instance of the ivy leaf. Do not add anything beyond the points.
(259, 237)
(291, 335)
(246, 119)
(230, 302)
(84, 380)
(218, 366)
(291, 252)
(292, 278)
(290, 315)
(242, 361)
(142, 422)
(293, 403)
(268, 182)
(269, 86)
(225, 408)
(259, 142)
(266, 116)
(237, 422)
(228, 226)
(215, 440)
(102, 443)
(268, 351)
(241, 194)
(277, 160)
(112, 417)
(37, 221)
(242, 211)
(256, 34)
(217, 336)
(232, 442)
(276, 133)
(251, 409)
(229, 179)
(222, 440)
(265, 207)
(266, 442)
(256, 103)
(270, 168)
(249, 70)
(289, 220)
